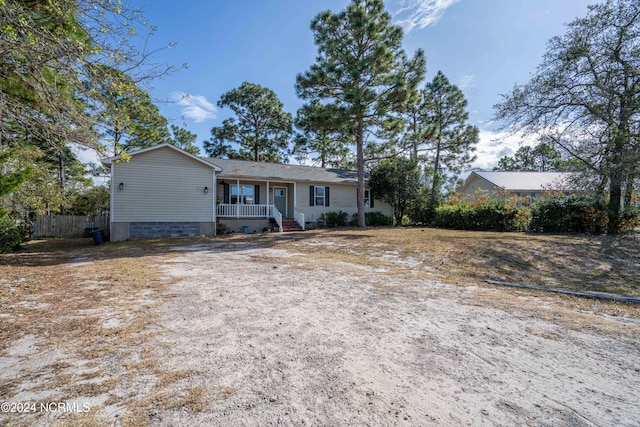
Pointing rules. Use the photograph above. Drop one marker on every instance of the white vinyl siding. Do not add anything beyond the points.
(341, 197)
(162, 185)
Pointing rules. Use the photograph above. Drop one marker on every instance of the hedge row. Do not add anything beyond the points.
(495, 215)
(339, 218)
(570, 213)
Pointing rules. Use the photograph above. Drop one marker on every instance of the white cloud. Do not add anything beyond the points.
(494, 145)
(465, 81)
(419, 14)
(195, 107)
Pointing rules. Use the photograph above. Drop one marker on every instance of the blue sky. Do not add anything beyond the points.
(483, 46)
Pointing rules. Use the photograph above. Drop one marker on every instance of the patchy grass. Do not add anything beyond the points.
(571, 261)
(80, 321)
(90, 316)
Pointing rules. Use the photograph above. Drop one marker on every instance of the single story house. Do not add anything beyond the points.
(163, 191)
(502, 184)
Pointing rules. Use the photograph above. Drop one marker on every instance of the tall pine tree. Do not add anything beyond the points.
(261, 128)
(450, 140)
(362, 70)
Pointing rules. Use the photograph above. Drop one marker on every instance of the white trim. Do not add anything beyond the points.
(215, 204)
(295, 196)
(112, 197)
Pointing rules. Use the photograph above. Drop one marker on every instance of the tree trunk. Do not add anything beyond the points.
(360, 163)
(61, 178)
(628, 194)
(615, 192)
(255, 145)
(414, 138)
(436, 174)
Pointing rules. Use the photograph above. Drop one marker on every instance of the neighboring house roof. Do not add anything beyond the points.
(525, 181)
(107, 162)
(233, 169)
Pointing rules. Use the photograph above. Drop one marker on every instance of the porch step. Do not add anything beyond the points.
(289, 224)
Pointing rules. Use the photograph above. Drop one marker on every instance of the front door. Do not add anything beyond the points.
(280, 199)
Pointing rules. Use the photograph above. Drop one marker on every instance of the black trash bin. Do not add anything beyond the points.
(98, 236)
(89, 229)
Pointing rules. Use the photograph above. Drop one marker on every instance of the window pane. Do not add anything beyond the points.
(319, 196)
(234, 194)
(367, 198)
(247, 194)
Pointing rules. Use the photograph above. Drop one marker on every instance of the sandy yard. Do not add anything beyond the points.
(287, 340)
(282, 331)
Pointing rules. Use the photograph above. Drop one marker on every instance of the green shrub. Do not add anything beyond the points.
(630, 219)
(572, 213)
(377, 218)
(334, 219)
(486, 215)
(374, 219)
(11, 235)
(221, 228)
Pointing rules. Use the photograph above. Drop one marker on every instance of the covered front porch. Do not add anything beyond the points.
(244, 199)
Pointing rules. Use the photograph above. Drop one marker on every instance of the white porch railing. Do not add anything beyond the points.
(244, 211)
(299, 217)
(255, 211)
(277, 216)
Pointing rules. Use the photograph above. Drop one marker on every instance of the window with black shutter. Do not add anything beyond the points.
(318, 196)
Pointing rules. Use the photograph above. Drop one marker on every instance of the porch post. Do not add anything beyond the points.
(295, 196)
(238, 198)
(215, 204)
(267, 199)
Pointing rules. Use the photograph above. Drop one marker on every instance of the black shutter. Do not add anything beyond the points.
(326, 196)
(312, 196)
(371, 198)
(256, 190)
(226, 193)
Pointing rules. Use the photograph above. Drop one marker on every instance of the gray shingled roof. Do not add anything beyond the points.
(281, 172)
(527, 181)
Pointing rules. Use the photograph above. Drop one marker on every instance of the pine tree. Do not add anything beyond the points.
(261, 128)
(362, 70)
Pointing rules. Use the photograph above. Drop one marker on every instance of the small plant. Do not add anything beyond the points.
(12, 234)
(374, 218)
(221, 228)
(334, 219)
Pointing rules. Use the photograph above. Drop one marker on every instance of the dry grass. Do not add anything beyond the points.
(92, 313)
(92, 310)
(573, 261)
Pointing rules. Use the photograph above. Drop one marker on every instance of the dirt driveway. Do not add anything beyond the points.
(280, 336)
(324, 328)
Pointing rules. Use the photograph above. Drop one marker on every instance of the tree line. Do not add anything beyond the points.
(73, 77)
(70, 74)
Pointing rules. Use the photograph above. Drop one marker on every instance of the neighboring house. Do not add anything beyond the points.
(501, 184)
(163, 191)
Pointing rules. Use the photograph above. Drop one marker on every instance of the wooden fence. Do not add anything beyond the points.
(67, 225)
